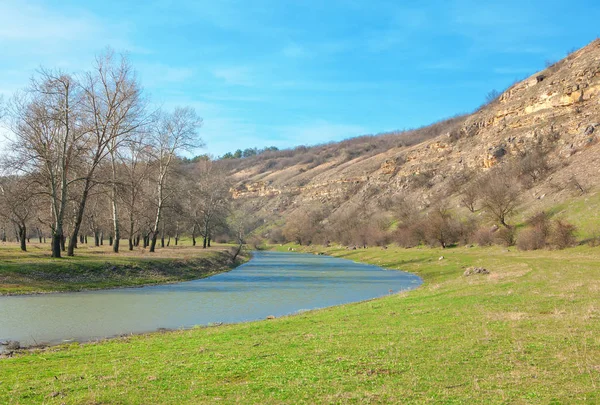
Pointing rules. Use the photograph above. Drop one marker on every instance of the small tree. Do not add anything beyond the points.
(469, 197)
(441, 228)
(499, 195)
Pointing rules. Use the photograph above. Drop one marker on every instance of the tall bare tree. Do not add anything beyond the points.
(47, 140)
(113, 110)
(175, 132)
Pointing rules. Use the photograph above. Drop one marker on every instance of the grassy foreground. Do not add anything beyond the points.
(98, 267)
(527, 333)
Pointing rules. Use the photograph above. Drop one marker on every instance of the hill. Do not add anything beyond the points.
(545, 128)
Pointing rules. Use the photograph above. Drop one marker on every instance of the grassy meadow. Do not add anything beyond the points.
(93, 267)
(527, 333)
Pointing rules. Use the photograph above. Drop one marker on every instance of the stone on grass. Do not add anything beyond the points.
(475, 270)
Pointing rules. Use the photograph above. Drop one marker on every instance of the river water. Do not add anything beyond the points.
(271, 283)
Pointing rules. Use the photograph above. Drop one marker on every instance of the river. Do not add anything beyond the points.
(271, 283)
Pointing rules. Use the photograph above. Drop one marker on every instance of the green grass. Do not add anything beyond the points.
(527, 333)
(97, 267)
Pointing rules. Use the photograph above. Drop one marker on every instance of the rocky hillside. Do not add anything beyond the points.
(555, 110)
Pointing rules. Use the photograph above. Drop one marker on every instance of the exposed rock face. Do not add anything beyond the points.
(559, 106)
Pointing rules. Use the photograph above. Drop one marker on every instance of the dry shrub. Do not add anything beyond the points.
(531, 238)
(505, 236)
(563, 234)
(483, 236)
(276, 236)
(405, 236)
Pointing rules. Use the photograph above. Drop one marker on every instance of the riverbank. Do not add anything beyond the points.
(34, 272)
(528, 332)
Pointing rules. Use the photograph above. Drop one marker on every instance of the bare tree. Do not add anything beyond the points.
(174, 133)
(135, 164)
(47, 140)
(113, 110)
(469, 196)
(499, 195)
(441, 228)
(207, 200)
(16, 205)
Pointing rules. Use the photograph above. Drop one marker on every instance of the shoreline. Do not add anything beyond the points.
(111, 272)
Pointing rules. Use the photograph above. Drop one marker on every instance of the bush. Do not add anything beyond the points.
(563, 234)
(505, 236)
(531, 238)
(405, 236)
(484, 236)
(276, 236)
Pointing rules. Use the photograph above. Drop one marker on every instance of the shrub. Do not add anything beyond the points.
(276, 236)
(483, 236)
(563, 234)
(505, 236)
(405, 237)
(531, 238)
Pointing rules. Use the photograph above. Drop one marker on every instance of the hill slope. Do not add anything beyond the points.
(555, 110)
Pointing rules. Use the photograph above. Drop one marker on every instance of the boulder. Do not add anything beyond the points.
(475, 270)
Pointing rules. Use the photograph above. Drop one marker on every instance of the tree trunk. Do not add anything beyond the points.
(209, 239)
(169, 241)
(63, 243)
(131, 237)
(117, 233)
(56, 244)
(96, 238)
(23, 236)
(110, 240)
(79, 217)
(237, 252)
(204, 242)
(153, 241)
(102, 238)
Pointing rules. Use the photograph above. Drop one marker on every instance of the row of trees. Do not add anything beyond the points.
(87, 149)
(248, 152)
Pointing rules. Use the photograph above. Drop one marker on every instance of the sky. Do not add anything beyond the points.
(300, 72)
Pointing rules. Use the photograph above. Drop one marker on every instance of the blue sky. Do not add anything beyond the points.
(286, 73)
